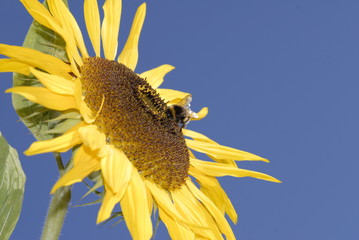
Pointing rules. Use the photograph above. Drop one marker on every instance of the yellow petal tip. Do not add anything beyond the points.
(8, 90)
(277, 180)
(201, 114)
(272, 179)
(100, 219)
(54, 188)
(27, 152)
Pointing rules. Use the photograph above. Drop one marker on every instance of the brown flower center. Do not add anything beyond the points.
(134, 119)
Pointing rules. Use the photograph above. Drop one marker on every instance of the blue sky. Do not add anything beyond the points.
(280, 79)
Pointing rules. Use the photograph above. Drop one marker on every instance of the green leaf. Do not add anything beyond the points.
(35, 116)
(12, 184)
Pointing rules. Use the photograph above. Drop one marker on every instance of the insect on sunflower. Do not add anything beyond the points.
(130, 131)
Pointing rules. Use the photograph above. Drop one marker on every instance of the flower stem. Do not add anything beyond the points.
(58, 208)
(56, 214)
(59, 163)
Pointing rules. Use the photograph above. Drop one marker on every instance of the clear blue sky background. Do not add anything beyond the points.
(280, 79)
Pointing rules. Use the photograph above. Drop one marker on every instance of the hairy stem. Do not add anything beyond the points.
(56, 214)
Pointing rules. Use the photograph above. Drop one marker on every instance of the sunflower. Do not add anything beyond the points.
(129, 130)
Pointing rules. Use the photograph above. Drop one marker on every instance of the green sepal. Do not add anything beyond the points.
(98, 184)
(113, 216)
(89, 203)
(12, 186)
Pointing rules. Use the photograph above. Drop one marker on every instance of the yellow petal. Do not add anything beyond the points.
(197, 136)
(150, 201)
(135, 210)
(108, 203)
(92, 19)
(116, 170)
(71, 31)
(85, 111)
(71, 50)
(213, 190)
(60, 144)
(222, 152)
(171, 96)
(94, 139)
(187, 206)
(220, 170)
(191, 153)
(176, 229)
(129, 54)
(84, 164)
(38, 59)
(193, 211)
(201, 114)
(45, 97)
(163, 200)
(110, 27)
(73, 27)
(200, 137)
(43, 16)
(39, 12)
(155, 76)
(10, 65)
(55, 83)
(214, 211)
(47, 21)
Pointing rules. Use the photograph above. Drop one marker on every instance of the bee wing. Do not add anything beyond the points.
(186, 101)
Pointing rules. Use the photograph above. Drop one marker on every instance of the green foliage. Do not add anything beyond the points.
(12, 184)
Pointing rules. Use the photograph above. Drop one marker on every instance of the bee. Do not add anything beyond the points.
(181, 112)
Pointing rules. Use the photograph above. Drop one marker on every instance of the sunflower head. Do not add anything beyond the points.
(134, 119)
(126, 127)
